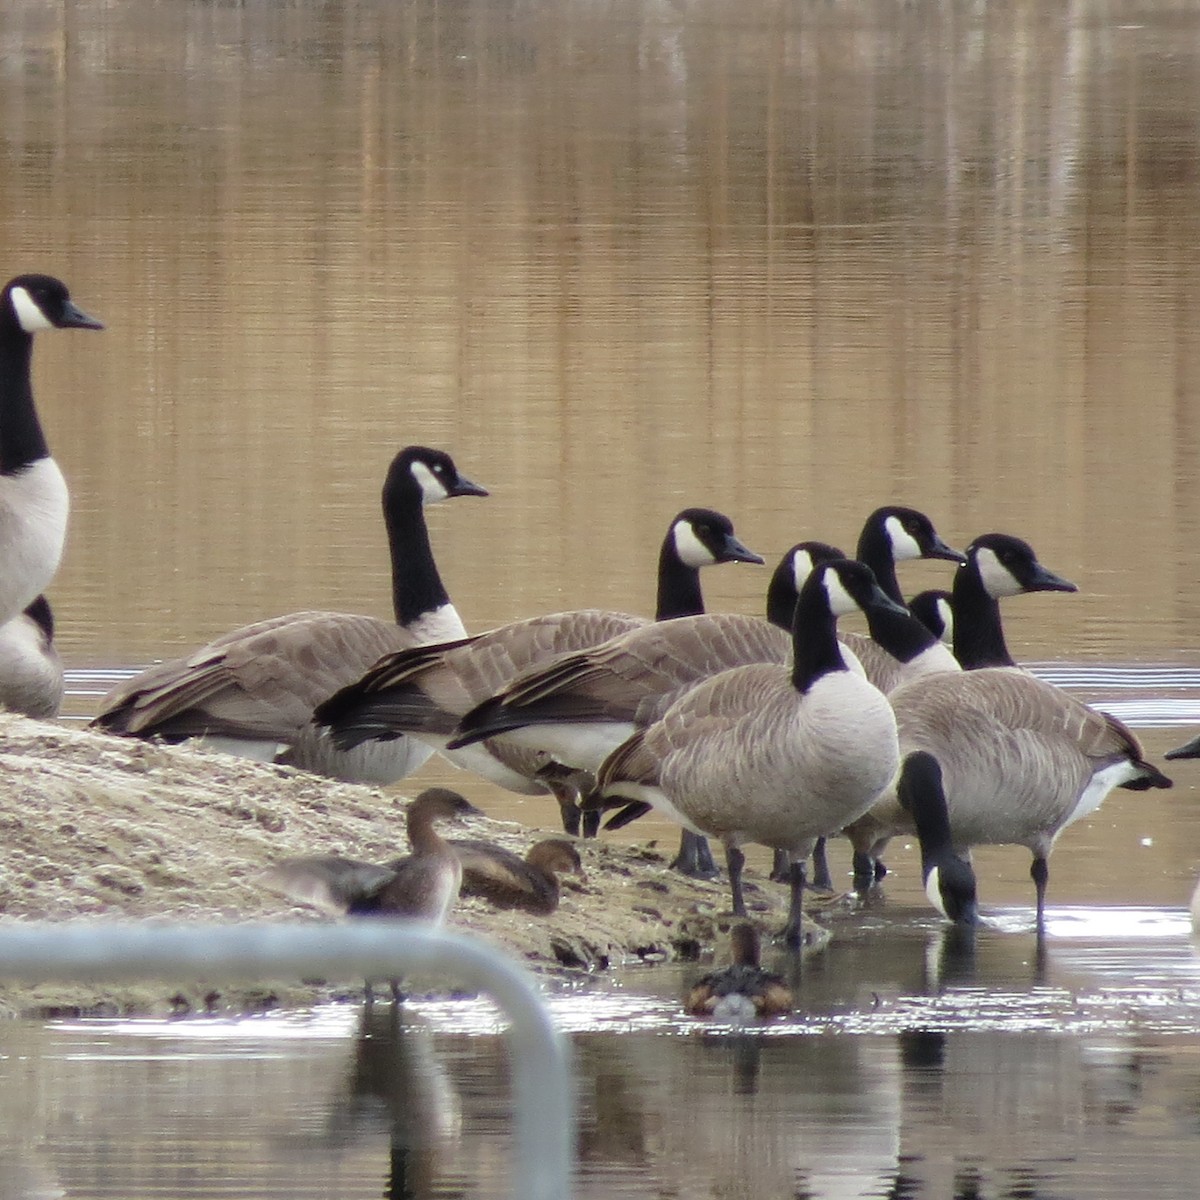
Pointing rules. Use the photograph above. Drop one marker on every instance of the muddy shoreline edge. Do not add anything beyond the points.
(98, 827)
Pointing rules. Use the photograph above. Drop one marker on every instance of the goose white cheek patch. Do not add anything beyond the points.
(432, 488)
(947, 615)
(904, 545)
(933, 890)
(802, 566)
(691, 550)
(840, 600)
(29, 316)
(998, 580)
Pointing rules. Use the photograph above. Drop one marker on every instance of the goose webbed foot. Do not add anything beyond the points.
(695, 858)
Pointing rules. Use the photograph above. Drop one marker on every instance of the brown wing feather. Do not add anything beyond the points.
(432, 687)
(327, 882)
(636, 676)
(263, 680)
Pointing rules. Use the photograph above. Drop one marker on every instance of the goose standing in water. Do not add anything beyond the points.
(997, 565)
(742, 991)
(33, 494)
(506, 880)
(771, 754)
(252, 691)
(31, 672)
(424, 693)
(1021, 760)
(421, 886)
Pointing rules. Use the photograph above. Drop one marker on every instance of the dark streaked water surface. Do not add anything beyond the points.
(622, 256)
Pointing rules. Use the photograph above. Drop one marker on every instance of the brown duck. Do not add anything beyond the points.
(506, 880)
(423, 885)
(743, 990)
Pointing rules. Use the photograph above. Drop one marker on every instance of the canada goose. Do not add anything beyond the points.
(949, 878)
(31, 672)
(889, 535)
(894, 533)
(1021, 760)
(506, 880)
(425, 692)
(252, 691)
(33, 494)
(935, 610)
(743, 990)
(767, 753)
(997, 565)
(422, 885)
(577, 708)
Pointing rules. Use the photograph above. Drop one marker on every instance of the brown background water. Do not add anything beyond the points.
(791, 259)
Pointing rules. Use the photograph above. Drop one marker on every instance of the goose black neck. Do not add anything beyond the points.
(781, 597)
(816, 650)
(875, 549)
(22, 442)
(679, 592)
(978, 630)
(921, 792)
(900, 634)
(417, 587)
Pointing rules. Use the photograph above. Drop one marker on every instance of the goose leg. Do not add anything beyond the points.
(1039, 872)
(793, 931)
(694, 858)
(591, 822)
(734, 861)
(781, 867)
(821, 877)
(864, 869)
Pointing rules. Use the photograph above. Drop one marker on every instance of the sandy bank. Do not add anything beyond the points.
(95, 826)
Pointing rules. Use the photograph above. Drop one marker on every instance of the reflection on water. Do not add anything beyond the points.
(914, 1066)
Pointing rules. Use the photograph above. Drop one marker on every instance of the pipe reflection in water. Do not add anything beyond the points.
(396, 1085)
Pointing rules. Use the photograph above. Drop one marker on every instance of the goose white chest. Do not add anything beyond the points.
(33, 526)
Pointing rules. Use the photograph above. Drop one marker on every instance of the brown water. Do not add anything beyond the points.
(793, 260)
